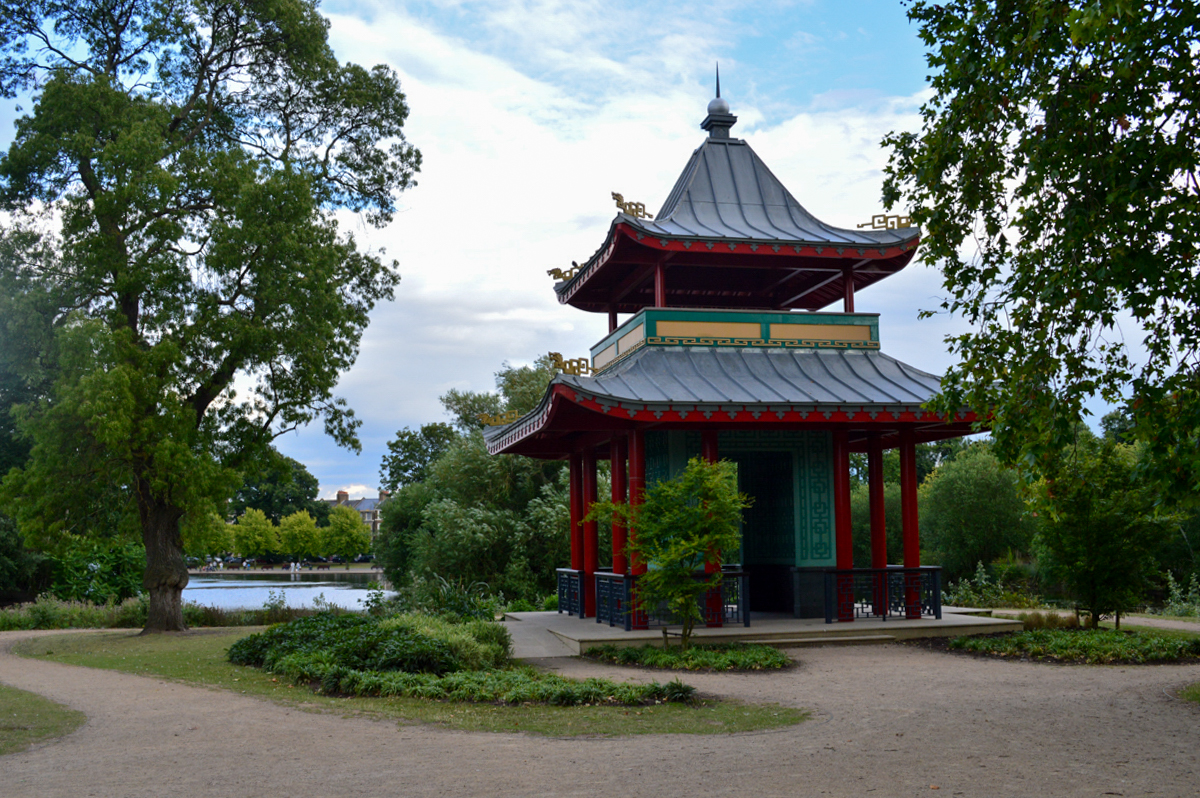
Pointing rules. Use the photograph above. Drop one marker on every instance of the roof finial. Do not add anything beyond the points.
(719, 120)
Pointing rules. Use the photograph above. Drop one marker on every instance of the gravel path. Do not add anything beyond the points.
(891, 720)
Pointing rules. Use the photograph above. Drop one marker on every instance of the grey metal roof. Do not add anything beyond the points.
(726, 191)
(704, 375)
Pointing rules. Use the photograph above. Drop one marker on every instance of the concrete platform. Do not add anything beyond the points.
(550, 634)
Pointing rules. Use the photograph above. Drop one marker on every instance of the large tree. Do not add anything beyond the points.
(192, 155)
(1056, 175)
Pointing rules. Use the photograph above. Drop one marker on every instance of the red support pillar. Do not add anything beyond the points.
(576, 474)
(618, 450)
(710, 451)
(875, 493)
(591, 535)
(848, 290)
(879, 555)
(909, 521)
(612, 318)
(841, 523)
(637, 489)
(660, 285)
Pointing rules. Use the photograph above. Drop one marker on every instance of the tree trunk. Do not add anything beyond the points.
(166, 570)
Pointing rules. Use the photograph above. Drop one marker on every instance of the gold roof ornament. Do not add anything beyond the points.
(883, 221)
(635, 209)
(576, 367)
(559, 274)
(489, 420)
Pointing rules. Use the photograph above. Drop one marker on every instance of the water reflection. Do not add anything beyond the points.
(233, 591)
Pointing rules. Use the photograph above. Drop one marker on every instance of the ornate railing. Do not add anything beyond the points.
(883, 593)
(616, 605)
(570, 591)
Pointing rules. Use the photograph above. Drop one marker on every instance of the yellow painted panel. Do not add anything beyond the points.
(819, 332)
(631, 339)
(604, 357)
(709, 329)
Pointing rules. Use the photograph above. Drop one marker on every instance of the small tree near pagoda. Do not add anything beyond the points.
(680, 526)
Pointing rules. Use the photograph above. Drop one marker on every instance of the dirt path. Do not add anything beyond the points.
(892, 721)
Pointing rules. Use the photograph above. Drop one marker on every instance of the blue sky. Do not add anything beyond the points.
(529, 114)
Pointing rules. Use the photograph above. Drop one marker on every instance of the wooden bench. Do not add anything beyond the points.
(322, 566)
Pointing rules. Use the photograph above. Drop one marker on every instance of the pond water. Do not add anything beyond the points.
(233, 591)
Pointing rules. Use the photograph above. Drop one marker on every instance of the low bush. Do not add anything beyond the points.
(48, 612)
(1090, 647)
(550, 603)
(1184, 605)
(1048, 620)
(726, 657)
(984, 592)
(422, 656)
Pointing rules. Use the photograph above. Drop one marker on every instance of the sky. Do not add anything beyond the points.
(529, 113)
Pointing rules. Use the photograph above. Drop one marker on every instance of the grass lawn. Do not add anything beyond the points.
(27, 718)
(198, 658)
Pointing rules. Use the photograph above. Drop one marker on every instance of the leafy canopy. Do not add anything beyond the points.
(1055, 176)
(175, 192)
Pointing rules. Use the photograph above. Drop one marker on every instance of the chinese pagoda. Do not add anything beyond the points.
(728, 354)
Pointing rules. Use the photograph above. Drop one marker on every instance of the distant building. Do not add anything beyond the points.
(367, 508)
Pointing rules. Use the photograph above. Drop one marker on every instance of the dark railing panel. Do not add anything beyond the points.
(883, 593)
(570, 591)
(616, 604)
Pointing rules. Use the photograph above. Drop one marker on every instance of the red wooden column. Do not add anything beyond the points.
(841, 523)
(591, 535)
(713, 604)
(637, 490)
(618, 450)
(908, 521)
(879, 555)
(576, 474)
(875, 494)
(660, 285)
(848, 290)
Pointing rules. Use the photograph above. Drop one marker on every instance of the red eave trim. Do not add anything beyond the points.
(723, 414)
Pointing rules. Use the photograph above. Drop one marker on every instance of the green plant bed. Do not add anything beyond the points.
(27, 718)
(717, 657)
(200, 658)
(1088, 647)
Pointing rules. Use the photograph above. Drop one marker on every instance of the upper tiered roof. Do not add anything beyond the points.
(732, 236)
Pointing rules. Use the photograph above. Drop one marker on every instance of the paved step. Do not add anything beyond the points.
(832, 640)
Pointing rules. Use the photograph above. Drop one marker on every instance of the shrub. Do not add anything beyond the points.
(1178, 603)
(550, 603)
(454, 599)
(982, 591)
(1048, 620)
(1090, 647)
(726, 657)
(521, 605)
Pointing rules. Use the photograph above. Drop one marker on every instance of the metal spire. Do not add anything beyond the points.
(718, 78)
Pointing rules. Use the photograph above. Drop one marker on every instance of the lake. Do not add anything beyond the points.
(251, 590)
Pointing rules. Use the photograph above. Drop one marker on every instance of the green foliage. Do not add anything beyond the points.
(1089, 647)
(207, 533)
(299, 536)
(279, 486)
(1185, 605)
(411, 453)
(455, 599)
(718, 657)
(195, 199)
(1055, 177)
(23, 573)
(860, 520)
(346, 535)
(424, 657)
(680, 525)
(1100, 528)
(972, 510)
(51, 613)
(1048, 620)
(255, 535)
(984, 592)
(95, 571)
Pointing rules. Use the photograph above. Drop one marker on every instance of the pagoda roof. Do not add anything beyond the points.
(731, 235)
(726, 192)
(731, 387)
